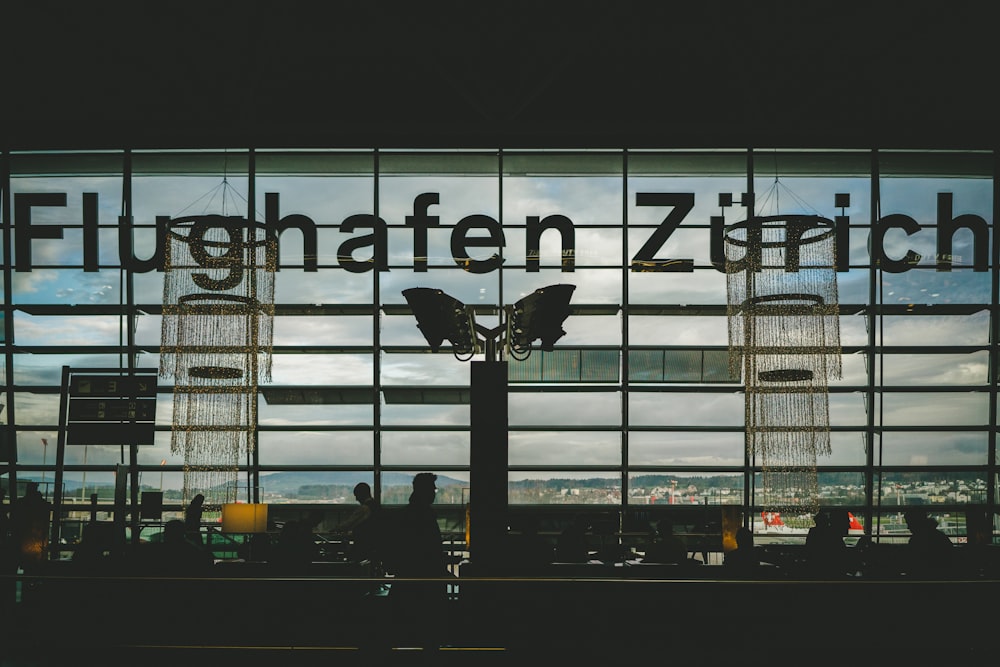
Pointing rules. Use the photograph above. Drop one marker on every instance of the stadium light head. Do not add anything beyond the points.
(539, 316)
(442, 317)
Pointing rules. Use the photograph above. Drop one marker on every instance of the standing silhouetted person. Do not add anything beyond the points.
(420, 552)
(930, 551)
(420, 606)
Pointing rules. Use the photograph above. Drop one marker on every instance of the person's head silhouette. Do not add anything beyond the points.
(918, 521)
(362, 492)
(424, 488)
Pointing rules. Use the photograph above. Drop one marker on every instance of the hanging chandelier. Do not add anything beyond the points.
(784, 336)
(217, 332)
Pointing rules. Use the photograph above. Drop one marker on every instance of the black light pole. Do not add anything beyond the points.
(488, 459)
(441, 317)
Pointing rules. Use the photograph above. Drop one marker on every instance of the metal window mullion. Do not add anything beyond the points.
(377, 349)
(623, 345)
(748, 460)
(994, 355)
(874, 304)
(8, 328)
(253, 474)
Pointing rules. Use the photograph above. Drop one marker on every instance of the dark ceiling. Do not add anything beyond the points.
(508, 74)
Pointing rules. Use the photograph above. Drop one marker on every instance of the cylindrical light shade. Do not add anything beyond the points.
(784, 331)
(244, 518)
(218, 312)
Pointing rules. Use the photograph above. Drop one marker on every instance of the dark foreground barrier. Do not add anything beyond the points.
(329, 617)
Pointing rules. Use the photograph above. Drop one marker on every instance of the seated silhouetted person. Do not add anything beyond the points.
(826, 553)
(176, 554)
(743, 559)
(930, 552)
(96, 549)
(666, 547)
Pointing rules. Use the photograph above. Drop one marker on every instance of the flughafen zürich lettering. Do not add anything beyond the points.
(676, 206)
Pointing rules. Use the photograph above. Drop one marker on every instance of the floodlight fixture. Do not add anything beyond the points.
(442, 317)
(538, 316)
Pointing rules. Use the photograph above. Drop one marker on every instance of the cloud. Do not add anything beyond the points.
(590, 202)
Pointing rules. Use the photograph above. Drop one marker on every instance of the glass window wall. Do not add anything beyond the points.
(636, 405)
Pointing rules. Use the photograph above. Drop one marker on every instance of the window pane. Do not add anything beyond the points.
(675, 488)
(561, 488)
(566, 366)
(570, 408)
(316, 448)
(425, 448)
(936, 369)
(314, 413)
(556, 448)
(959, 329)
(685, 409)
(935, 488)
(686, 449)
(322, 369)
(935, 409)
(940, 448)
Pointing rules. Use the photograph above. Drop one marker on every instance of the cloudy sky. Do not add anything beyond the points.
(586, 422)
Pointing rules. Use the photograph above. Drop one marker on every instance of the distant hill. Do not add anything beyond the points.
(289, 483)
(282, 483)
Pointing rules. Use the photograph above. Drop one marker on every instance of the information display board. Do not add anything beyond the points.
(111, 410)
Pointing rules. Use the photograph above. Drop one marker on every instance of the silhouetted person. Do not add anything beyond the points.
(930, 552)
(743, 559)
(666, 547)
(192, 518)
(96, 548)
(361, 525)
(826, 553)
(420, 606)
(177, 554)
(421, 553)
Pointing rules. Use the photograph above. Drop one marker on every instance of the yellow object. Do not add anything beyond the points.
(244, 518)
